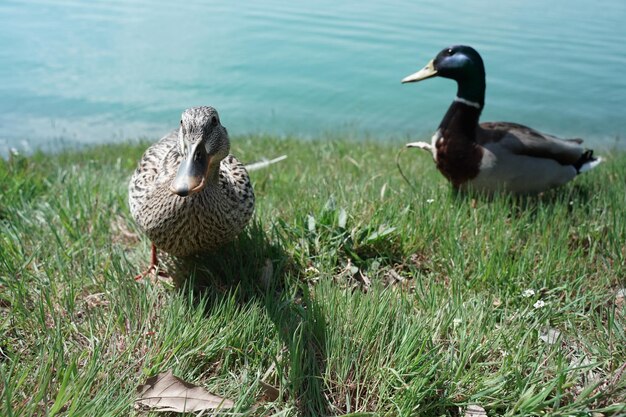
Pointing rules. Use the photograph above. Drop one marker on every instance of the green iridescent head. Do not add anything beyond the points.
(460, 63)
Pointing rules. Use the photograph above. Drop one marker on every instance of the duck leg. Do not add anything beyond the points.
(154, 266)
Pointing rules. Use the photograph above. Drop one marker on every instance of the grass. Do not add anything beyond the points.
(380, 300)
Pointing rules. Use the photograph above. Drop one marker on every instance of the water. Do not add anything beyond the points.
(108, 70)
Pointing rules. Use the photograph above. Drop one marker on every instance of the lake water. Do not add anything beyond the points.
(97, 71)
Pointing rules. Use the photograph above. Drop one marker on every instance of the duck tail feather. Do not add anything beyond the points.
(590, 164)
(587, 161)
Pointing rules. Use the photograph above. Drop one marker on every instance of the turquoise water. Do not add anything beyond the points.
(98, 71)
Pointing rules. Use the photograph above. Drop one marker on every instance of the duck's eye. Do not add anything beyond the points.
(449, 51)
(214, 121)
(181, 122)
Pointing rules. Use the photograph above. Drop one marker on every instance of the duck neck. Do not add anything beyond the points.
(461, 119)
(471, 91)
(464, 112)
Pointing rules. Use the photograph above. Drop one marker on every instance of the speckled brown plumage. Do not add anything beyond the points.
(201, 221)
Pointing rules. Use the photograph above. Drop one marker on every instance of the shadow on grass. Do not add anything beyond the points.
(575, 195)
(252, 268)
(302, 327)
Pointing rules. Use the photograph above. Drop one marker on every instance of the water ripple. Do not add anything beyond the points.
(72, 68)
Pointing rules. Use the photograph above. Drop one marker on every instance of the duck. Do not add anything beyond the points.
(189, 195)
(493, 156)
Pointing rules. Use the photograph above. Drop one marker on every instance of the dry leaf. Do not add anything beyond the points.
(474, 410)
(166, 392)
(392, 277)
(363, 279)
(550, 336)
(620, 297)
(96, 300)
(270, 392)
(343, 218)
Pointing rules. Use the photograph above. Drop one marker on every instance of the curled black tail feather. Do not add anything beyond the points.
(587, 156)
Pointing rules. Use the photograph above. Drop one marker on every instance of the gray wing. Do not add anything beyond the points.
(522, 140)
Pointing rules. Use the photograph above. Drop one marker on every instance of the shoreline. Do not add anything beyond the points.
(609, 144)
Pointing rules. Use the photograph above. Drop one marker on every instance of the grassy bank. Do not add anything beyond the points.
(380, 299)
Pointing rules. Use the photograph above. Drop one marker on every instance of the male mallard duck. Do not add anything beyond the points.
(497, 155)
(188, 194)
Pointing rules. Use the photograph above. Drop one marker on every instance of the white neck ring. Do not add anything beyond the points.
(467, 102)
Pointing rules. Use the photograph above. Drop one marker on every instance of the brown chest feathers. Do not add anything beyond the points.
(458, 155)
(458, 161)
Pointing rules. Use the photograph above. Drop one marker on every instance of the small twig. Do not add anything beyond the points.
(264, 163)
(618, 375)
(400, 169)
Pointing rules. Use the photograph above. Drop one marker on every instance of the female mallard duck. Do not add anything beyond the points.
(188, 194)
(498, 155)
